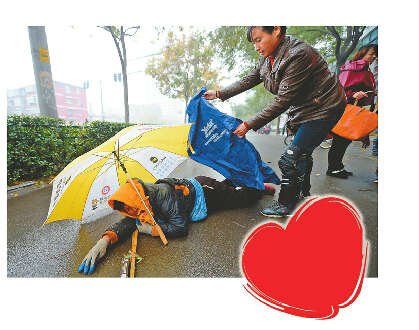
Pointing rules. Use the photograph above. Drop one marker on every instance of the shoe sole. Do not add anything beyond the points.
(273, 216)
(339, 177)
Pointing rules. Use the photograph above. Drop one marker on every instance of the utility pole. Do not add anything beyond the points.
(42, 70)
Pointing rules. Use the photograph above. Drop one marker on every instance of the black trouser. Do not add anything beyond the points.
(224, 195)
(337, 151)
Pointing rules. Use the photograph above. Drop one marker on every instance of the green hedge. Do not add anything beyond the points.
(39, 147)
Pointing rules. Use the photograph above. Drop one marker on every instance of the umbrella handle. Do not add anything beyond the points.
(133, 252)
(161, 234)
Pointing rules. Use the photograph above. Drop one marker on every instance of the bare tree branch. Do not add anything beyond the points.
(319, 30)
(130, 28)
(116, 40)
(357, 34)
(349, 33)
(124, 51)
(338, 40)
(348, 40)
(334, 32)
(118, 36)
(110, 29)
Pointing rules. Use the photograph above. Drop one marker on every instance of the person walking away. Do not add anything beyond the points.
(359, 84)
(303, 85)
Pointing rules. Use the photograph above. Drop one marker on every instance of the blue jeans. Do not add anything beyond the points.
(308, 137)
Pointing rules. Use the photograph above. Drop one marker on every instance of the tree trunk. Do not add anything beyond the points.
(186, 106)
(124, 76)
(339, 63)
(125, 80)
(343, 52)
(123, 59)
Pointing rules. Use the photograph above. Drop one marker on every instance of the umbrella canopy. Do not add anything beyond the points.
(82, 189)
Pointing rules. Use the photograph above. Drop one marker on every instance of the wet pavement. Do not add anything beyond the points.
(212, 247)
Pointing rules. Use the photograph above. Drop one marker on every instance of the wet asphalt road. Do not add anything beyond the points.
(212, 247)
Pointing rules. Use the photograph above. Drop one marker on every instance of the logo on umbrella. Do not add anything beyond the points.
(105, 190)
(94, 204)
(154, 159)
(66, 181)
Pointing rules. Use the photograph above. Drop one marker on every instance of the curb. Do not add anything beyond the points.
(22, 185)
(24, 189)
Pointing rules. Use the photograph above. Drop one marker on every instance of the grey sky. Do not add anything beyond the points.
(86, 52)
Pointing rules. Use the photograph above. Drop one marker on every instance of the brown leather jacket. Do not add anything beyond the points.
(301, 81)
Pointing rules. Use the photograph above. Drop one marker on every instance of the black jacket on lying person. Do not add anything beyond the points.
(172, 206)
(169, 205)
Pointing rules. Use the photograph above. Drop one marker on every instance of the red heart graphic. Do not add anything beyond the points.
(313, 267)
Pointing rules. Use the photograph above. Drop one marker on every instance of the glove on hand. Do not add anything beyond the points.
(96, 252)
(144, 227)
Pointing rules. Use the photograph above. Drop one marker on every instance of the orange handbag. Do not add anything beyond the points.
(356, 122)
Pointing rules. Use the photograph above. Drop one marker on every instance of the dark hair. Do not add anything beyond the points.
(118, 205)
(268, 29)
(363, 50)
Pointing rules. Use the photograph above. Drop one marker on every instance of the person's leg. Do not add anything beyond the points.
(375, 153)
(335, 157)
(308, 138)
(221, 195)
(375, 147)
(306, 185)
(296, 164)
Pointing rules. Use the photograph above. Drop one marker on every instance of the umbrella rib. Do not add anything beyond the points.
(100, 156)
(135, 150)
(105, 169)
(136, 139)
(114, 163)
(109, 166)
(93, 168)
(125, 159)
(90, 170)
(93, 154)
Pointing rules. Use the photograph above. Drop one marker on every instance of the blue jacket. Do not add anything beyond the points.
(214, 144)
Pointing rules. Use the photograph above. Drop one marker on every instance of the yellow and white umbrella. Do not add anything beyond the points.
(83, 187)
